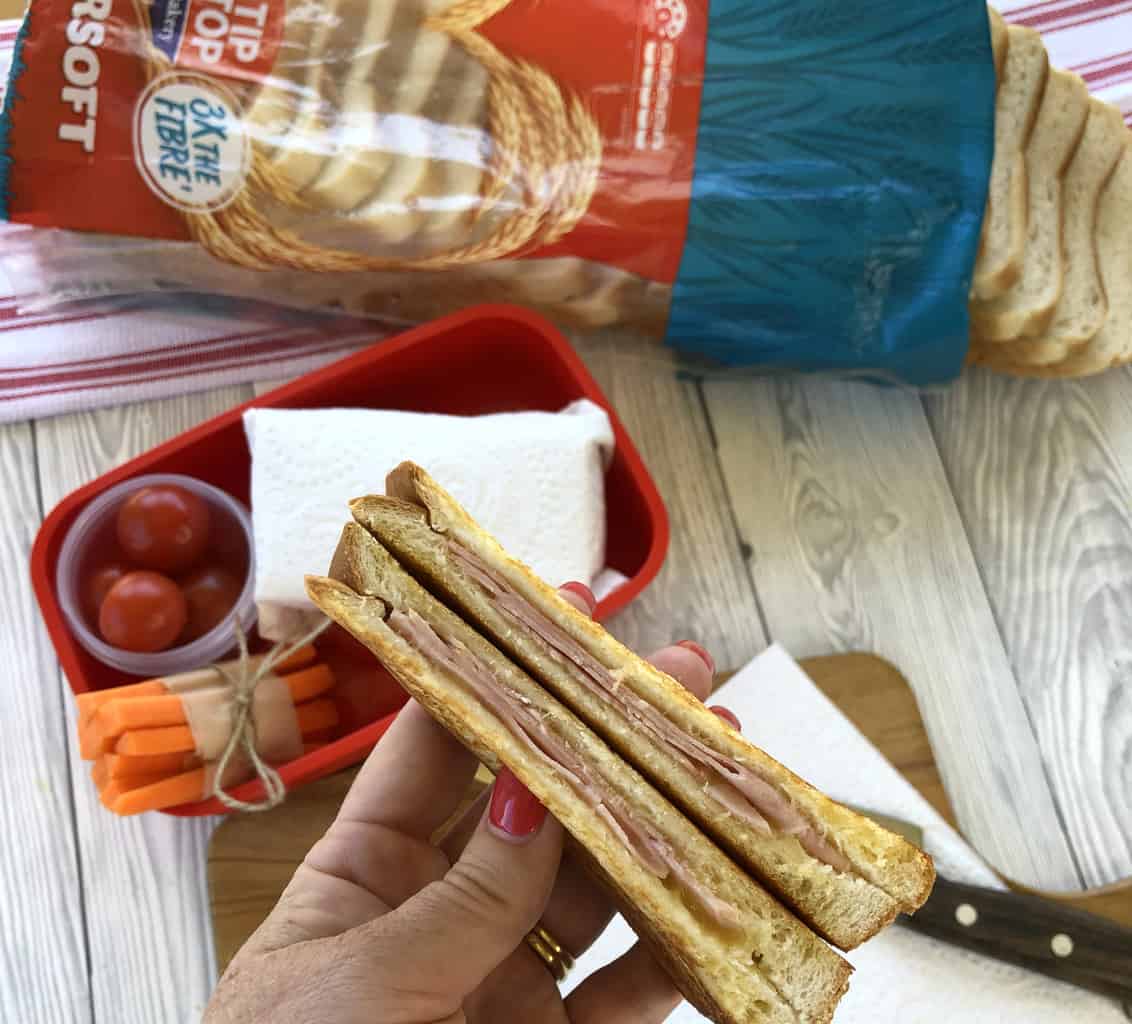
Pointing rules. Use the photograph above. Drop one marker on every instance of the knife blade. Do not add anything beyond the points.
(1041, 935)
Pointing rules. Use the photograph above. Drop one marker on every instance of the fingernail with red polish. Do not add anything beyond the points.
(699, 652)
(727, 715)
(514, 810)
(583, 592)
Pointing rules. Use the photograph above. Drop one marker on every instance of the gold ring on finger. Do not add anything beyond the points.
(550, 951)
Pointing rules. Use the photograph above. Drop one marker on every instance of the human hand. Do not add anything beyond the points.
(379, 926)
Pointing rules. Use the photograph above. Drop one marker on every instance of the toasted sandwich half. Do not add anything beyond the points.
(842, 873)
(734, 951)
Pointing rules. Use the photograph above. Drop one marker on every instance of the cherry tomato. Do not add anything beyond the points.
(163, 527)
(210, 593)
(97, 585)
(144, 612)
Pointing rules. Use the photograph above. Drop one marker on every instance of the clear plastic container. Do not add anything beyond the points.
(92, 536)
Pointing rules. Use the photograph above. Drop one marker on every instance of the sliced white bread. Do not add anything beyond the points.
(999, 262)
(1112, 344)
(1028, 307)
(1083, 307)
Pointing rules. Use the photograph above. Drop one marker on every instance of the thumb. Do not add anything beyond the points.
(453, 933)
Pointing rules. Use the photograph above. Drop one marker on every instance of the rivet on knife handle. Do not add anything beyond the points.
(1041, 935)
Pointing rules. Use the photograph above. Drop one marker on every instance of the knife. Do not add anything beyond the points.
(1041, 935)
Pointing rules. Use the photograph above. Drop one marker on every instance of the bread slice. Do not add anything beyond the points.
(1083, 307)
(1112, 344)
(758, 965)
(847, 896)
(999, 261)
(1028, 307)
(1000, 42)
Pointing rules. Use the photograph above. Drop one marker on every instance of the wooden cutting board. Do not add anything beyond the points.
(252, 857)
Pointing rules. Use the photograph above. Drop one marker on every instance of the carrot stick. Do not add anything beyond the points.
(173, 739)
(116, 716)
(309, 683)
(315, 714)
(185, 788)
(153, 712)
(89, 703)
(115, 788)
(100, 773)
(121, 766)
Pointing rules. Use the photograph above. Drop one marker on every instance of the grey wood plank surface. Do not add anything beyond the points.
(1041, 472)
(146, 895)
(43, 954)
(703, 592)
(857, 544)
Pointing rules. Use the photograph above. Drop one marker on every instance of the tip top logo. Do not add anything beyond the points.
(671, 18)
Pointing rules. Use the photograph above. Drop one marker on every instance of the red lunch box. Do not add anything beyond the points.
(485, 360)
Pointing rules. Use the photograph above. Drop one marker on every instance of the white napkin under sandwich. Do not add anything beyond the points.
(900, 975)
(533, 479)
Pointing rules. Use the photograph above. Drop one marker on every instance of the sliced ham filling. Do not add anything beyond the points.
(523, 721)
(736, 787)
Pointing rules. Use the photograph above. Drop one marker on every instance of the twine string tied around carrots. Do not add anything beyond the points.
(243, 680)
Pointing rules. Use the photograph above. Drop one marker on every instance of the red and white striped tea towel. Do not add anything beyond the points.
(85, 355)
(1091, 37)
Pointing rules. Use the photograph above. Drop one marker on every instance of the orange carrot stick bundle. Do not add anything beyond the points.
(93, 720)
(116, 716)
(312, 716)
(89, 703)
(155, 744)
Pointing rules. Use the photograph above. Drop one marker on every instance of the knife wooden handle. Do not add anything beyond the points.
(1061, 942)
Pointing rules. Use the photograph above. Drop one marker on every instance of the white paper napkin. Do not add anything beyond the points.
(533, 479)
(900, 975)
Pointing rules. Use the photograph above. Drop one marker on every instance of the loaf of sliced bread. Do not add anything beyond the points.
(1110, 260)
(1023, 81)
(1082, 308)
(1028, 307)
